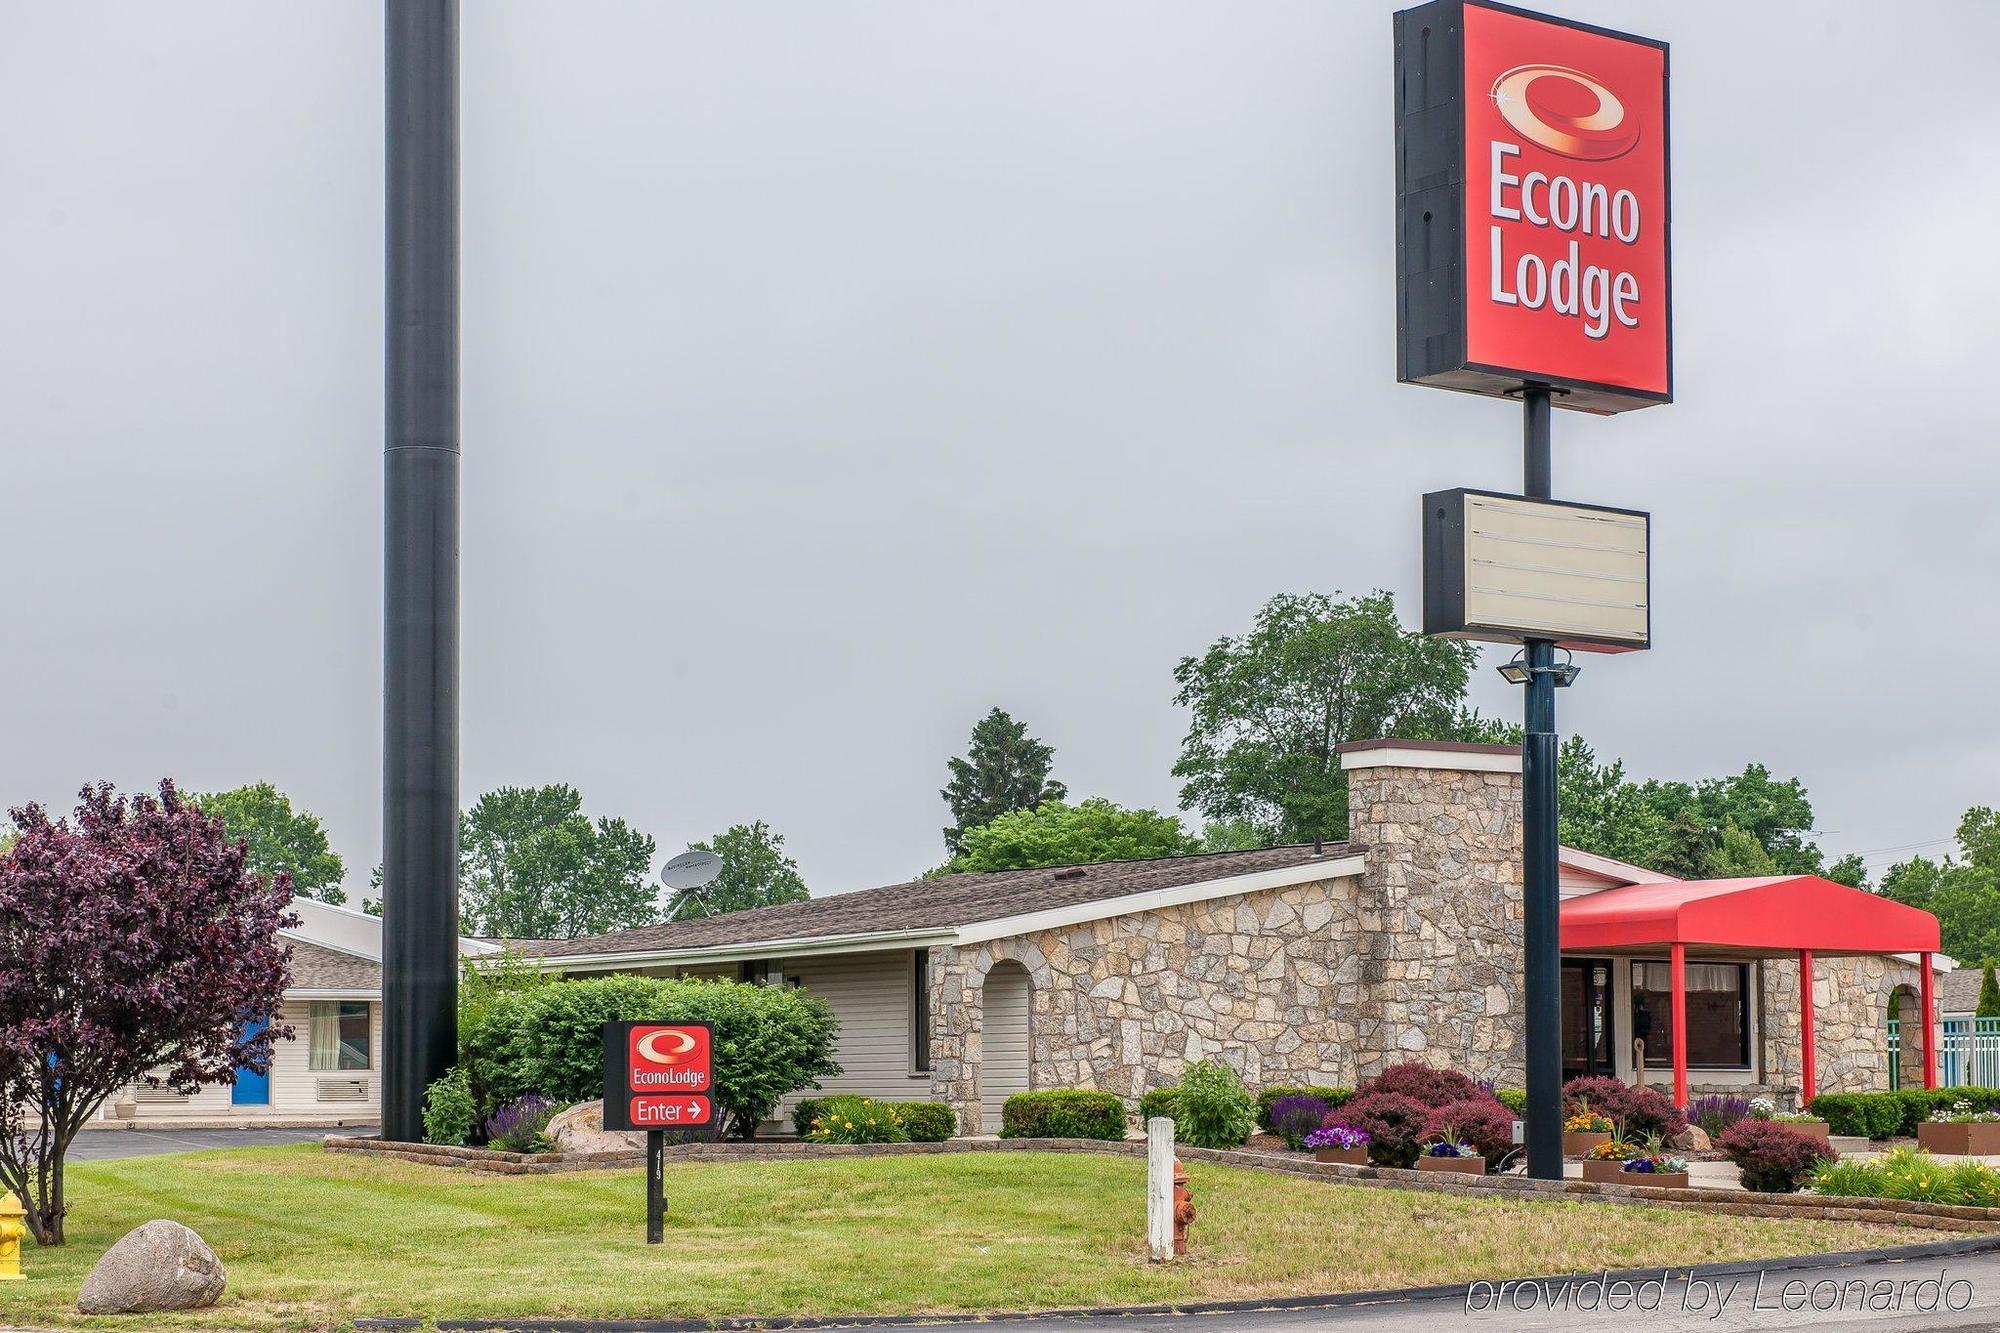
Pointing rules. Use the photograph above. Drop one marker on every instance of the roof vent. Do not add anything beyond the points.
(1068, 872)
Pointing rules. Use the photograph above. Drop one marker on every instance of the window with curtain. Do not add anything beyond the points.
(1718, 1014)
(337, 1033)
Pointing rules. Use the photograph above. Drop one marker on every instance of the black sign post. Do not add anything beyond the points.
(658, 1076)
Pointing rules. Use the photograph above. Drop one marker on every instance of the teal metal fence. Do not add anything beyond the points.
(1895, 1054)
(1968, 1052)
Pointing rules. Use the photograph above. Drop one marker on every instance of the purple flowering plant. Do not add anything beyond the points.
(1450, 1146)
(518, 1126)
(1337, 1136)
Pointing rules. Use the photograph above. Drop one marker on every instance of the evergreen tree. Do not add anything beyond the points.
(1989, 994)
(1004, 769)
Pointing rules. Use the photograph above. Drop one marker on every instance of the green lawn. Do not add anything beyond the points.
(314, 1239)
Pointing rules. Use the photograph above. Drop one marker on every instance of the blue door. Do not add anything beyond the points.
(251, 1089)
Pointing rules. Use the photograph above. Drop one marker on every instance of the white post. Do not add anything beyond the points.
(1160, 1189)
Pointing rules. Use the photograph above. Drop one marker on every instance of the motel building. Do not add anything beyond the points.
(330, 1071)
(1304, 965)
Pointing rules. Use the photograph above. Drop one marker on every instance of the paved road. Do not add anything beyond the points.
(1974, 1279)
(94, 1145)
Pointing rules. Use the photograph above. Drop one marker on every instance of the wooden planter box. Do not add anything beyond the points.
(1812, 1129)
(1470, 1166)
(1677, 1180)
(1973, 1138)
(1342, 1156)
(1605, 1172)
(1580, 1144)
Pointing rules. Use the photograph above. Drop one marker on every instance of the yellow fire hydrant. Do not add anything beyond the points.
(12, 1232)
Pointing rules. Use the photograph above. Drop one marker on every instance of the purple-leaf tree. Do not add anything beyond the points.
(134, 947)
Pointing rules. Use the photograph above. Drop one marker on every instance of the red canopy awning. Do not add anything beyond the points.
(1778, 914)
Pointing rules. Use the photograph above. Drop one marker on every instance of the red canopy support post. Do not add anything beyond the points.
(1929, 1027)
(1678, 956)
(1809, 1078)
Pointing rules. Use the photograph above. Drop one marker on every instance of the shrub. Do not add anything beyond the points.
(1774, 1160)
(1887, 1115)
(519, 1125)
(927, 1122)
(856, 1120)
(769, 1040)
(1423, 1083)
(1063, 1113)
(1394, 1125)
(1910, 1173)
(1641, 1111)
(1269, 1097)
(1159, 1102)
(1294, 1117)
(449, 1113)
(1215, 1109)
(1480, 1121)
(1716, 1113)
(1514, 1099)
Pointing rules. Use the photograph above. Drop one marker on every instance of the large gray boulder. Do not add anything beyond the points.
(581, 1129)
(159, 1265)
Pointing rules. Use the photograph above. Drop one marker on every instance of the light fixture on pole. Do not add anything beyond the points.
(1517, 670)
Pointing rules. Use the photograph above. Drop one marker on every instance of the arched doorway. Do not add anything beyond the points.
(1907, 1029)
(1003, 1041)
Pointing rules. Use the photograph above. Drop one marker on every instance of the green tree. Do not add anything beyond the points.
(755, 873)
(1055, 833)
(1231, 835)
(1850, 870)
(1269, 707)
(1004, 769)
(1989, 994)
(531, 865)
(1963, 891)
(1601, 810)
(279, 838)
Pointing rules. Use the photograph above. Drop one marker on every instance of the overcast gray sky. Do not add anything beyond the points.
(835, 372)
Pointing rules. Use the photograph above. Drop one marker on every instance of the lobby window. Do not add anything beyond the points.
(338, 1035)
(920, 1011)
(1718, 1014)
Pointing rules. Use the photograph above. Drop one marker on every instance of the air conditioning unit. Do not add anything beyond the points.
(343, 1090)
(158, 1096)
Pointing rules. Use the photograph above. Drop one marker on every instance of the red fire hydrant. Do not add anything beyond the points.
(1183, 1208)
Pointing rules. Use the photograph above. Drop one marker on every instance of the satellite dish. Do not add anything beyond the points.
(690, 871)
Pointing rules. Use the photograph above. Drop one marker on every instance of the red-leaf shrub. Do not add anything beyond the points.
(1424, 1083)
(1640, 1111)
(1394, 1124)
(1774, 1159)
(1480, 1121)
(134, 944)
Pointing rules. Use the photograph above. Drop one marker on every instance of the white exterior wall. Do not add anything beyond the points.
(294, 1085)
(870, 994)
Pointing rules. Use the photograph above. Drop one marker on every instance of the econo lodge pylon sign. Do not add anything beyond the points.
(658, 1076)
(1532, 207)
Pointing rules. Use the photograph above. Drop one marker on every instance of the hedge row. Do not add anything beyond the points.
(1063, 1113)
(1889, 1115)
(923, 1122)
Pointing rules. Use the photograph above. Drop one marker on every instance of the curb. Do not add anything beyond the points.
(1330, 1301)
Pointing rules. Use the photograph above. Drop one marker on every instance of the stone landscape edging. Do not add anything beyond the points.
(1453, 1291)
(1807, 1207)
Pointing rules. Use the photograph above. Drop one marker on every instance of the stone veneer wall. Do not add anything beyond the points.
(1268, 982)
(1850, 1022)
(1441, 909)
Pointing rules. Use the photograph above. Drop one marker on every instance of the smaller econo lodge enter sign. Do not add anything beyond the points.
(659, 1076)
(1532, 207)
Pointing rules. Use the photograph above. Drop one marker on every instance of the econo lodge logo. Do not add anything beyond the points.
(669, 1058)
(1565, 111)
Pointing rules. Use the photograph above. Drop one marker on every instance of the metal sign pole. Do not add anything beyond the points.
(420, 564)
(1542, 899)
(656, 1186)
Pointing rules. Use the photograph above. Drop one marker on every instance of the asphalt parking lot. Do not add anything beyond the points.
(97, 1145)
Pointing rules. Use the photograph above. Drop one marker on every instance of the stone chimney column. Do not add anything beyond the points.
(1440, 905)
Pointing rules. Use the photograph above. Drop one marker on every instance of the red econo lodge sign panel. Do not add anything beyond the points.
(658, 1075)
(1532, 203)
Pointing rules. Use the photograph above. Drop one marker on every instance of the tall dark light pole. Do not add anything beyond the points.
(1542, 900)
(420, 586)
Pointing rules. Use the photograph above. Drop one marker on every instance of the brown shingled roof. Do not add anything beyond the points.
(936, 904)
(316, 967)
